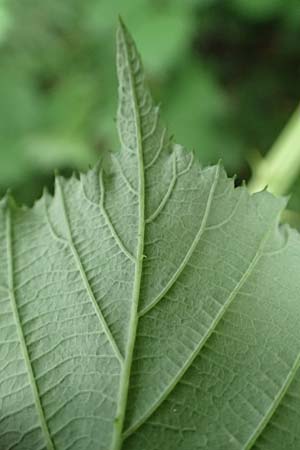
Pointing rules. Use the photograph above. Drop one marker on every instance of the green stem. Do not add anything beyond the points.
(279, 169)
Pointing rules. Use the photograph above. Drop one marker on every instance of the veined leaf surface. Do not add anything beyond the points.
(149, 305)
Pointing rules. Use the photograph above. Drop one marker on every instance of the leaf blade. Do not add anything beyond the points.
(23, 345)
(155, 260)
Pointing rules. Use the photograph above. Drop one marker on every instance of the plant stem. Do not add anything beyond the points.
(279, 169)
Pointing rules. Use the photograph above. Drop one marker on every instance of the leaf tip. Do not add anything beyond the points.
(121, 24)
(122, 32)
(124, 42)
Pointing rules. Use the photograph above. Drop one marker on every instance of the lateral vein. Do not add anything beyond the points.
(86, 281)
(167, 195)
(109, 223)
(30, 371)
(189, 253)
(203, 341)
(125, 179)
(274, 405)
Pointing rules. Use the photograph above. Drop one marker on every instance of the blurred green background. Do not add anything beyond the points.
(226, 73)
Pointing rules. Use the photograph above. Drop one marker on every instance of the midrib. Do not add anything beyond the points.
(117, 439)
(31, 376)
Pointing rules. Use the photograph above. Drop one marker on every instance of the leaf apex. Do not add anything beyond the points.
(122, 31)
(121, 22)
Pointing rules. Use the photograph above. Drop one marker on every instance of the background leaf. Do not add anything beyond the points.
(231, 66)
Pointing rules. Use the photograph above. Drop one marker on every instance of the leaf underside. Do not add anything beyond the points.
(149, 305)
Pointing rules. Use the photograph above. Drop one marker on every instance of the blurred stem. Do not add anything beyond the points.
(291, 217)
(281, 166)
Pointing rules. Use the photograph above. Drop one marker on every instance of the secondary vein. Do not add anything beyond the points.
(86, 281)
(190, 251)
(26, 356)
(198, 348)
(274, 405)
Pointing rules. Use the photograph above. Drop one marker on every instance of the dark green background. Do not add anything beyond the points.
(226, 73)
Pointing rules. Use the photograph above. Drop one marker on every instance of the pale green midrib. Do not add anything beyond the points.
(142, 419)
(85, 279)
(271, 411)
(118, 437)
(31, 375)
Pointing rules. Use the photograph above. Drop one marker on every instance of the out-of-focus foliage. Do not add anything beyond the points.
(57, 76)
(226, 70)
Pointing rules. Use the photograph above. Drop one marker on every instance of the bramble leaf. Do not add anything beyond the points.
(149, 305)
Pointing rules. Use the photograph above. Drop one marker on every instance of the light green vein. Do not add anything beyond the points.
(124, 177)
(84, 277)
(31, 375)
(117, 440)
(142, 419)
(191, 250)
(168, 194)
(109, 223)
(159, 150)
(274, 405)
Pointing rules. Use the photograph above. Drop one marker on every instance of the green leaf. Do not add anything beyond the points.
(149, 305)
(259, 9)
(56, 80)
